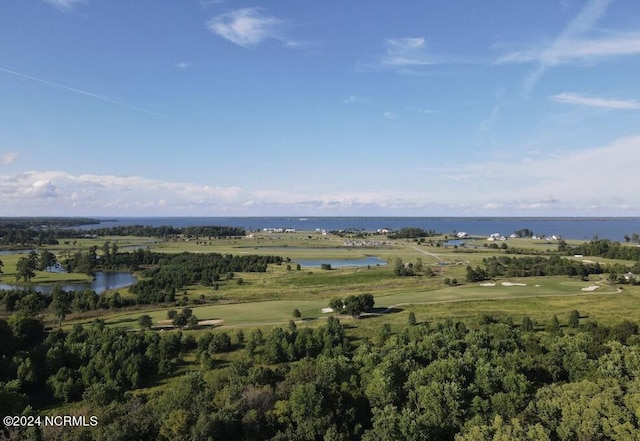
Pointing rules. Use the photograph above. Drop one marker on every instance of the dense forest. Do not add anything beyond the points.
(29, 232)
(177, 271)
(448, 381)
(411, 233)
(604, 248)
(165, 231)
(16, 223)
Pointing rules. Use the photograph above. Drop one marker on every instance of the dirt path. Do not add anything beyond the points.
(420, 250)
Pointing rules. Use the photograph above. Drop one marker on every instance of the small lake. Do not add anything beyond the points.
(103, 281)
(7, 252)
(341, 263)
(453, 242)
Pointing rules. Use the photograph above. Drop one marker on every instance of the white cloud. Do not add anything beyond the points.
(64, 5)
(60, 192)
(574, 45)
(183, 65)
(593, 181)
(582, 100)
(389, 115)
(9, 158)
(575, 180)
(405, 52)
(576, 50)
(205, 3)
(246, 27)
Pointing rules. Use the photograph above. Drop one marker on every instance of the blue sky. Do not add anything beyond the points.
(234, 108)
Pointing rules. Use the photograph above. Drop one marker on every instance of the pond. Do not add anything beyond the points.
(453, 242)
(103, 281)
(341, 263)
(7, 252)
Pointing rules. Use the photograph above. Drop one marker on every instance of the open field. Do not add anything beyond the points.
(269, 298)
(552, 295)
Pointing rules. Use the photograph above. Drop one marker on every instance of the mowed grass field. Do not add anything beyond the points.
(540, 299)
(264, 299)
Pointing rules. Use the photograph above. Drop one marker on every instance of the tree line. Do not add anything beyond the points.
(411, 233)
(173, 272)
(94, 363)
(604, 248)
(530, 266)
(28, 233)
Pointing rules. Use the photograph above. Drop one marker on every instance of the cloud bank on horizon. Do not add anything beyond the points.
(209, 108)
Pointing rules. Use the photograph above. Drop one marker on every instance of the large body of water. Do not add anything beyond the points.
(570, 228)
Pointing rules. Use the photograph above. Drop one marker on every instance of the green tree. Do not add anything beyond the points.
(411, 319)
(47, 260)
(240, 336)
(527, 324)
(554, 326)
(180, 320)
(60, 304)
(220, 342)
(398, 267)
(192, 322)
(336, 304)
(574, 319)
(297, 313)
(25, 269)
(385, 332)
(30, 305)
(353, 305)
(145, 321)
(106, 253)
(367, 301)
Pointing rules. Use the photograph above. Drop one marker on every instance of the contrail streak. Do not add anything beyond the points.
(82, 92)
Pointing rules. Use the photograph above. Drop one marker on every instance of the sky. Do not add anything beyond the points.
(297, 108)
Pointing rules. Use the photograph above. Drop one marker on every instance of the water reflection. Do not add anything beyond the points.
(103, 281)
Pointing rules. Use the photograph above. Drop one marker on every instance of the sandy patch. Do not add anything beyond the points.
(209, 322)
(169, 323)
(513, 284)
(487, 284)
(590, 288)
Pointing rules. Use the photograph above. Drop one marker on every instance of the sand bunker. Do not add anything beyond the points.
(209, 322)
(590, 288)
(487, 284)
(513, 284)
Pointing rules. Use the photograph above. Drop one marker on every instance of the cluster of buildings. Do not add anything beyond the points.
(364, 243)
(279, 230)
(498, 237)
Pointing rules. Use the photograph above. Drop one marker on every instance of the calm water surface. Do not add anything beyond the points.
(103, 281)
(613, 228)
(340, 263)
